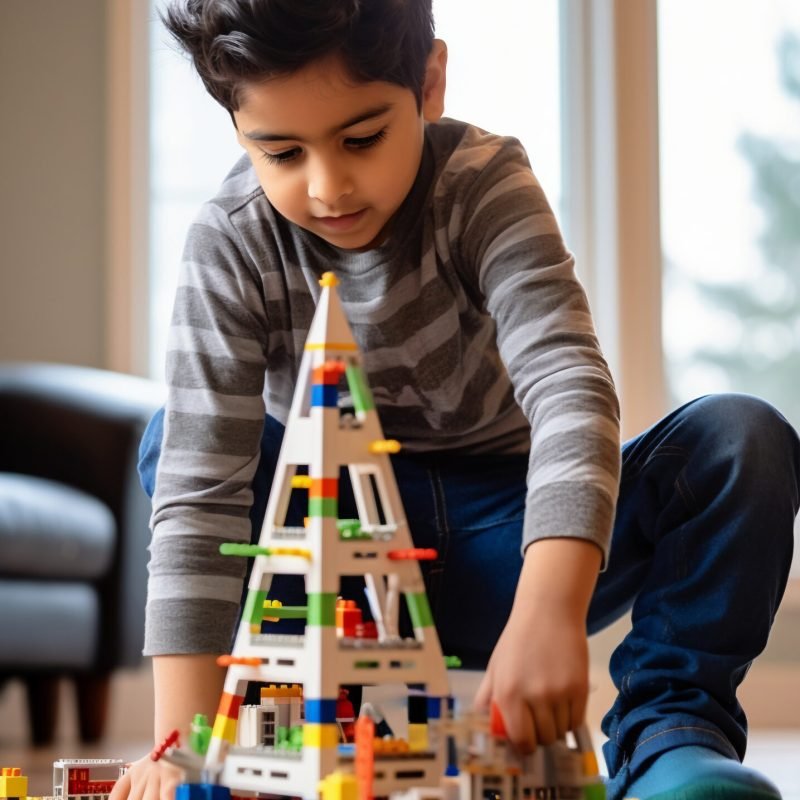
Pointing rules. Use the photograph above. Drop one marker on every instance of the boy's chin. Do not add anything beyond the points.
(358, 242)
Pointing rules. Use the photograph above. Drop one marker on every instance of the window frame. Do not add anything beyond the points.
(611, 189)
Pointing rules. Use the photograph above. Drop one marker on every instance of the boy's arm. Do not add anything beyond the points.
(214, 417)
(538, 672)
(182, 687)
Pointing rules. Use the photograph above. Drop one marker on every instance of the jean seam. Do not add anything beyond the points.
(442, 536)
(493, 524)
(713, 732)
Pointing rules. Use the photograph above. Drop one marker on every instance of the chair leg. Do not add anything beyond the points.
(42, 694)
(92, 694)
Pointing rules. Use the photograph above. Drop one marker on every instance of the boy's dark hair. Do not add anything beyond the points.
(234, 42)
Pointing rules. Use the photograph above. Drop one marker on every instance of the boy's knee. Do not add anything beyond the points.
(752, 434)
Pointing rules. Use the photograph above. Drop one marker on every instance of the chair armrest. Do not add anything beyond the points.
(81, 426)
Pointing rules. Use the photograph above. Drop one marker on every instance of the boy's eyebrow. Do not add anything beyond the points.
(370, 113)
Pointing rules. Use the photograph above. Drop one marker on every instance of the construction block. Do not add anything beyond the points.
(324, 487)
(359, 389)
(224, 728)
(322, 609)
(348, 616)
(229, 705)
(322, 710)
(200, 734)
(13, 783)
(202, 791)
(320, 735)
(323, 507)
(339, 786)
(253, 611)
(324, 396)
(420, 610)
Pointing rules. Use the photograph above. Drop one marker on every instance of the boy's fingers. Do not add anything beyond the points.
(563, 717)
(168, 786)
(519, 725)
(121, 788)
(544, 723)
(577, 711)
(483, 695)
(140, 783)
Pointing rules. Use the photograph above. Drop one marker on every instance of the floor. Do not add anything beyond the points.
(775, 752)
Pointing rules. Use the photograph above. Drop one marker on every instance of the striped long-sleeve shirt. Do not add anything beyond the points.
(477, 338)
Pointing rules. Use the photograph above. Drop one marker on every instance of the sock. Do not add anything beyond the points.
(699, 773)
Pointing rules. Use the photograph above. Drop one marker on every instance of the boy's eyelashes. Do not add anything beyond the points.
(352, 142)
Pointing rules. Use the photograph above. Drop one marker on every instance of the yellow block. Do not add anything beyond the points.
(417, 737)
(13, 785)
(224, 728)
(339, 786)
(385, 446)
(320, 735)
(301, 482)
(331, 346)
(328, 279)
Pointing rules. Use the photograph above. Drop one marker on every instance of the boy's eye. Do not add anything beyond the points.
(362, 142)
(282, 157)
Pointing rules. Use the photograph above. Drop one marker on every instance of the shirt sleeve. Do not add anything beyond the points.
(214, 417)
(547, 341)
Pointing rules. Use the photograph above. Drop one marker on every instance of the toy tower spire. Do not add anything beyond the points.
(377, 546)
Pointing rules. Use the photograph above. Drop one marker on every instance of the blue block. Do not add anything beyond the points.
(320, 710)
(324, 395)
(202, 791)
(434, 708)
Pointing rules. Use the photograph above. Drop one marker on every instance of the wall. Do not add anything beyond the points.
(52, 163)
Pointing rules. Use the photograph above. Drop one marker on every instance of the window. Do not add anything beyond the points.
(729, 93)
(730, 192)
(193, 146)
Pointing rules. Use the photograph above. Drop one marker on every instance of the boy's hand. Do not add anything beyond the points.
(538, 675)
(147, 780)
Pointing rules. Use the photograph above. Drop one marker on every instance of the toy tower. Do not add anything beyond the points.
(376, 546)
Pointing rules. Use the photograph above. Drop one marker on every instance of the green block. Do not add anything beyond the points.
(296, 738)
(247, 550)
(419, 610)
(359, 389)
(351, 529)
(323, 507)
(594, 791)
(286, 612)
(200, 734)
(322, 609)
(282, 738)
(254, 607)
(452, 662)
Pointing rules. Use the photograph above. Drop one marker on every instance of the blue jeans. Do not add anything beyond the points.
(701, 551)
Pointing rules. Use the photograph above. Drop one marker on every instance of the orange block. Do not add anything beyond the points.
(324, 487)
(229, 705)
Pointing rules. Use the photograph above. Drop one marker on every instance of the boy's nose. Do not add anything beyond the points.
(329, 183)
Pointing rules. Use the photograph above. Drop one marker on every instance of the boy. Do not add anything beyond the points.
(483, 360)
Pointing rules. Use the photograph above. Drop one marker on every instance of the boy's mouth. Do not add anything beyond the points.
(341, 222)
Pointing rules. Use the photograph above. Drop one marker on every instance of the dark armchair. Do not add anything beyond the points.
(73, 534)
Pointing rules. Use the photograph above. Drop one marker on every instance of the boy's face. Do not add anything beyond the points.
(334, 156)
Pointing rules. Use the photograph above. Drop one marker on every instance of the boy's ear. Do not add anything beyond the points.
(435, 81)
